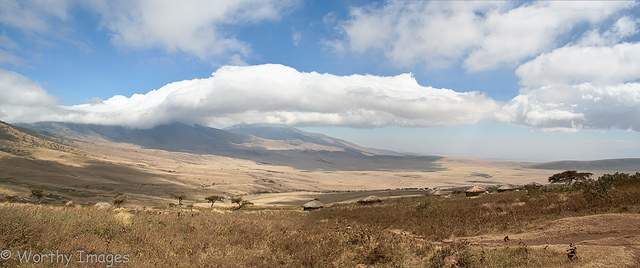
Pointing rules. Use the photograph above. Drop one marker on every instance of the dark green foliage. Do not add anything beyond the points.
(597, 191)
(570, 177)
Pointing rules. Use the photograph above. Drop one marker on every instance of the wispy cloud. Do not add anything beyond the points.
(481, 35)
(196, 28)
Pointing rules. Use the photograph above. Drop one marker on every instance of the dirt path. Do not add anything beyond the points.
(608, 240)
(606, 230)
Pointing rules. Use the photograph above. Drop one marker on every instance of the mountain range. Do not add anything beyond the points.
(265, 144)
(288, 133)
(279, 145)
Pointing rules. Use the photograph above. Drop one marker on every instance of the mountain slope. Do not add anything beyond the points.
(287, 133)
(171, 137)
(20, 141)
(204, 140)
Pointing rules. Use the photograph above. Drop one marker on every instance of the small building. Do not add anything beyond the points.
(370, 200)
(475, 191)
(507, 188)
(534, 185)
(313, 205)
(439, 192)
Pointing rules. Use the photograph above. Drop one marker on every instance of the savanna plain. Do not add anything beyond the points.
(158, 214)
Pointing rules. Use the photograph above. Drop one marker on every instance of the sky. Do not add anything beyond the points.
(512, 80)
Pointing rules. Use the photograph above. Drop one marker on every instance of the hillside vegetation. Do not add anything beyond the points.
(407, 232)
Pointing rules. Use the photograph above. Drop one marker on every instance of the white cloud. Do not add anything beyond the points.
(24, 100)
(16, 89)
(279, 94)
(295, 38)
(193, 27)
(484, 35)
(416, 32)
(596, 58)
(590, 84)
(575, 107)
(577, 64)
(623, 28)
(530, 29)
(33, 16)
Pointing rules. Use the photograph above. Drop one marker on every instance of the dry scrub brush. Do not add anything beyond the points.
(212, 239)
(342, 235)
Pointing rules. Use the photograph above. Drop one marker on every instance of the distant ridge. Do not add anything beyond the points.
(623, 164)
(178, 137)
(171, 137)
(288, 133)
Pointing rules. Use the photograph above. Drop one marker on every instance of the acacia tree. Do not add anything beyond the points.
(178, 196)
(570, 177)
(241, 202)
(214, 198)
(38, 193)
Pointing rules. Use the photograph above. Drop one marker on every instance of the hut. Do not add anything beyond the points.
(533, 187)
(370, 200)
(312, 205)
(534, 184)
(439, 192)
(475, 191)
(507, 188)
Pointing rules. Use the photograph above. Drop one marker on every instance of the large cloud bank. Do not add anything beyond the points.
(590, 83)
(278, 94)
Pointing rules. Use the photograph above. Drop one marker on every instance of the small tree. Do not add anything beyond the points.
(570, 177)
(241, 202)
(214, 198)
(178, 196)
(120, 199)
(116, 193)
(38, 193)
(237, 200)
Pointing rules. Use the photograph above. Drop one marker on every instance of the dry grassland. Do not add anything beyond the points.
(408, 232)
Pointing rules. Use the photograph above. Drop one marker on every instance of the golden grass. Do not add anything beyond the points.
(342, 235)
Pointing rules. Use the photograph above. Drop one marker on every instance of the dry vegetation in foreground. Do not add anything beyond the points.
(342, 235)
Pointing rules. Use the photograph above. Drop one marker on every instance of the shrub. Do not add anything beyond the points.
(38, 193)
(179, 197)
(120, 200)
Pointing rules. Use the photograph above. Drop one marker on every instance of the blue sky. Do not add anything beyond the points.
(533, 80)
